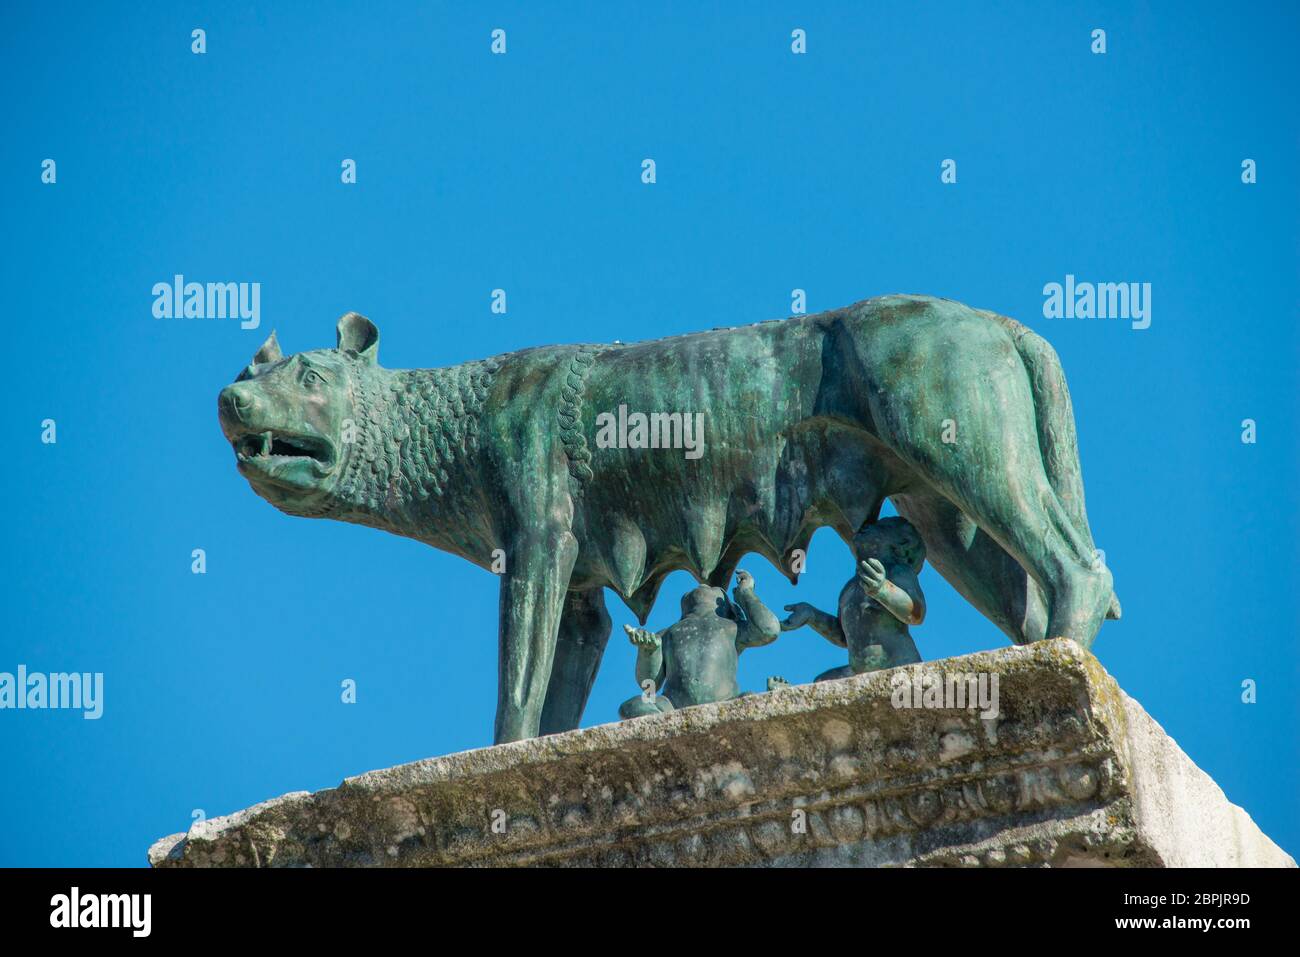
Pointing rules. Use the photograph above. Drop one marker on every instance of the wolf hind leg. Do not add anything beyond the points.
(994, 474)
(975, 565)
(1024, 516)
(1054, 419)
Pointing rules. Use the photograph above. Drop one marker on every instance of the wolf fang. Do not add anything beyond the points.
(1103, 300)
(667, 430)
(214, 300)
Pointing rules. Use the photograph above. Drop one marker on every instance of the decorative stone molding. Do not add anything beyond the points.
(1071, 771)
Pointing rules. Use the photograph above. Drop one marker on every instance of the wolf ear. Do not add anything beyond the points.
(269, 351)
(358, 334)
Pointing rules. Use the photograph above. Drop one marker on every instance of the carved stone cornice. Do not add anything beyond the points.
(1071, 771)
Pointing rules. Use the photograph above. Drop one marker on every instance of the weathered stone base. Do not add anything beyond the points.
(1072, 772)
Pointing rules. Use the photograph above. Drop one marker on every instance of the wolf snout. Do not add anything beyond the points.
(236, 406)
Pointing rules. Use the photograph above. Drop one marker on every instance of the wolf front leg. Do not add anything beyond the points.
(584, 631)
(532, 600)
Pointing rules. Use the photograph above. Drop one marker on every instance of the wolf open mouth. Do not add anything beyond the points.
(268, 446)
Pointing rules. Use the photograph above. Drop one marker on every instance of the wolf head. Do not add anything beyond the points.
(290, 420)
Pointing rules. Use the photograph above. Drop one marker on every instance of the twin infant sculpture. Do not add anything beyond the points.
(694, 661)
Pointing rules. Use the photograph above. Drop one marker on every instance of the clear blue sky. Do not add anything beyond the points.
(522, 171)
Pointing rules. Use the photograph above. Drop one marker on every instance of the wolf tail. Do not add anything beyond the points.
(1055, 421)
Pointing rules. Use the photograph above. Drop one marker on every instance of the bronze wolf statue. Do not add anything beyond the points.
(575, 468)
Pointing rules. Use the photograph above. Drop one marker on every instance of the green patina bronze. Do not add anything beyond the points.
(536, 465)
(877, 604)
(694, 661)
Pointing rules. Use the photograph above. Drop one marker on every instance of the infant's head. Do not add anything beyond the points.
(704, 599)
(891, 541)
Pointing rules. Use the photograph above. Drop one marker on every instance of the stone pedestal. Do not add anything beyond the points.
(863, 772)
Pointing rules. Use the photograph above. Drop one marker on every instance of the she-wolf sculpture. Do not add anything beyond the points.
(960, 416)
